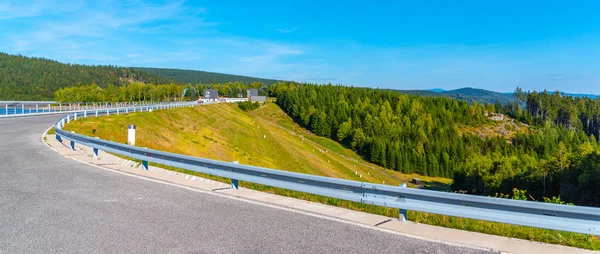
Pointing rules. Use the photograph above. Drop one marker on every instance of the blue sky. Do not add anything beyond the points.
(495, 45)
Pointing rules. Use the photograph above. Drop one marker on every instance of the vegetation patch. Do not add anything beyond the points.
(248, 106)
(502, 126)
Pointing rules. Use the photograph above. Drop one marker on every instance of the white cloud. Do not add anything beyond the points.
(286, 30)
(23, 9)
(13, 10)
(270, 55)
(92, 21)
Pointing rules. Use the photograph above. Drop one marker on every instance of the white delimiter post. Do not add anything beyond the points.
(131, 135)
(402, 213)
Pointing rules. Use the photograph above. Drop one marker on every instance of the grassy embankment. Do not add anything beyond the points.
(267, 137)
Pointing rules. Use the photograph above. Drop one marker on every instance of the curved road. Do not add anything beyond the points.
(49, 203)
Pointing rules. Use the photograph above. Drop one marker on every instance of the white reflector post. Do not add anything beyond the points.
(131, 135)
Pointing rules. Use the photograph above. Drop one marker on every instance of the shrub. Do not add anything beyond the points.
(247, 106)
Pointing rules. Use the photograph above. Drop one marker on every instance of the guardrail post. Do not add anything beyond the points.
(117, 111)
(73, 145)
(37, 109)
(75, 117)
(95, 152)
(6, 108)
(68, 118)
(85, 113)
(49, 109)
(107, 112)
(58, 138)
(234, 182)
(145, 165)
(96, 112)
(402, 213)
(23, 109)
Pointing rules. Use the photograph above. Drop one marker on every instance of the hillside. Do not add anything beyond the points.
(31, 78)
(265, 137)
(25, 78)
(204, 77)
(484, 152)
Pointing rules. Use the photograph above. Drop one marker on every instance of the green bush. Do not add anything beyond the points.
(247, 106)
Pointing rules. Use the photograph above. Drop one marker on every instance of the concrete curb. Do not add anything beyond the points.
(377, 222)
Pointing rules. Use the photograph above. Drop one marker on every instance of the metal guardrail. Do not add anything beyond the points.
(27, 102)
(28, 108)
(578, 219)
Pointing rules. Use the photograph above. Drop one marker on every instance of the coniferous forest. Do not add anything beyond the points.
(24, 78)
(30, 78)
(558, 158)
(204, 77)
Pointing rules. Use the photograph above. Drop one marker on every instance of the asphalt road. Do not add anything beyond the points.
(51, 204)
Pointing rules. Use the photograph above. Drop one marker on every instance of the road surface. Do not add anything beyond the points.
(49, 203)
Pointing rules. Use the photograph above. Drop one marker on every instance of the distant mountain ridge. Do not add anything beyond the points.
(467, 94)
(583, 95)
(471, 95)
(439, 90)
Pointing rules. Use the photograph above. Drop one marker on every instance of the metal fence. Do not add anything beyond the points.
(578, 219)
(22, 108)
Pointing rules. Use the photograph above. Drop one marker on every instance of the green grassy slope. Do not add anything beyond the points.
(266, 137)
